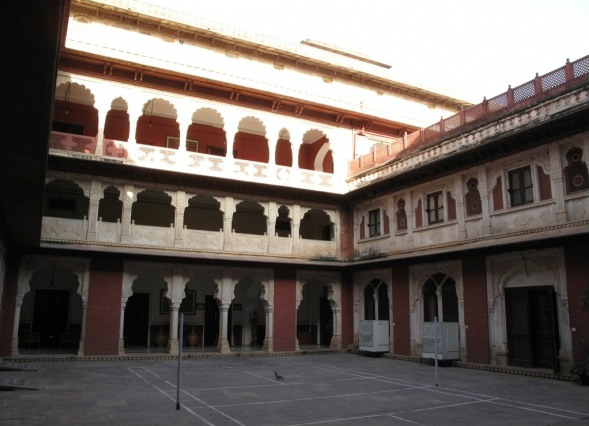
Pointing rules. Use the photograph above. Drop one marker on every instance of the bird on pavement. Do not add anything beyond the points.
(278, 376)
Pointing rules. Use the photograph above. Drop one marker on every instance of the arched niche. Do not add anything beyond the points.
(203, 213)
(316, 225)
(66, 199)
(249, 218)
(154, 208)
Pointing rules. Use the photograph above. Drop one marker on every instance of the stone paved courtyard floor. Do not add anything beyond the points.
(338, 390)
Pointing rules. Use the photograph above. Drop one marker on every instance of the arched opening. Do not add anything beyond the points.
(283, 156)
(203, 213)
(316, 225)
(205, 134)
(153, 208)
(314, 152)
(201, 314)
(247, 316)
(157, 125)
(439, 296)
(73, 111)
(51, 313)
(110, 207)
(147, 315)
(376, 301)
(116, 125)
(282, 228)
(65, 199)
(250, 142)
(315, 316)
(249, 218)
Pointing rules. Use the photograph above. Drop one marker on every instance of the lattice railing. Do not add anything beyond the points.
(514, 97)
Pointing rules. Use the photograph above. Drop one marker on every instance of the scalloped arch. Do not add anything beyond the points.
(74, 93)
(251, 124)
(160, 107)
(208, 116)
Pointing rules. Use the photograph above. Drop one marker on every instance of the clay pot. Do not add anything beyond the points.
(192, 338)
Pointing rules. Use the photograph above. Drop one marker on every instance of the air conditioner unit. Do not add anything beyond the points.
(373, 335)
(448, 340)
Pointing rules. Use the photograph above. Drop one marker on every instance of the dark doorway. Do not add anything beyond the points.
(532, 332)
(325, 321)
(211, 320)
(136, 320)
(50, 315)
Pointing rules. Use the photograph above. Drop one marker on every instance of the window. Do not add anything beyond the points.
(435, 208)
(520, 186)
(374, 222)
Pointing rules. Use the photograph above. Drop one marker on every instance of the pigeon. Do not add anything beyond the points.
(278, 376)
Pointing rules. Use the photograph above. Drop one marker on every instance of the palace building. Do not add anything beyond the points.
(281, 197)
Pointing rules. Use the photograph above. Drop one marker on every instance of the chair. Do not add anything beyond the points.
(31, 338)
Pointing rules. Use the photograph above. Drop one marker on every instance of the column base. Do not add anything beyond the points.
(336, 343)
(173, 348)
(268, 345)
(223, 346)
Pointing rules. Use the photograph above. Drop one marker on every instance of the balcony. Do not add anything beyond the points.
(154, 157)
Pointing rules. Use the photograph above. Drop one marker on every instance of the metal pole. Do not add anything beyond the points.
(180, 341)
(436, 349)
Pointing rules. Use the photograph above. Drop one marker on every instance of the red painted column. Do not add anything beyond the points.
(8, 307)
(401, 318)
(577, 276)
(347, 310)
(104, 307)
(476, 316)
(285, 310)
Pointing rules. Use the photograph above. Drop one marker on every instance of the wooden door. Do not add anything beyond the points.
(518, 327)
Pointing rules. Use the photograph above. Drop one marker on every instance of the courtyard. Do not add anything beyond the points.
(332, 389)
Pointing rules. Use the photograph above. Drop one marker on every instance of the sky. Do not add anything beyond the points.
(464, 48)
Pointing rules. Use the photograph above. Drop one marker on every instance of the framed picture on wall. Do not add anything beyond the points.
(164, 302)
(188, 305)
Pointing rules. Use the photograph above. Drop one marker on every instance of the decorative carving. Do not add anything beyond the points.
(576, 174)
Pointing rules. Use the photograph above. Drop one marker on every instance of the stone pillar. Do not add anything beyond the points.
(336, 339)
(459, 199)
(121, 327)
(356, 322)
(95, 196)
(296, 225)
(103, 106)
(183, 136)
(15, 327)
(556, 176)
(296, 140)
(230, 132)
(227, 221)
(485, 207)
(135, 111)
(223, 343)
(173, 332)
(271, 226)
(269, 339)
(128, 198)
(179, 219)
(82, 342)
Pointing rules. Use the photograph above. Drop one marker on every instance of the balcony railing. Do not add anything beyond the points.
(190, 162)
(553, 83)
(80, 230)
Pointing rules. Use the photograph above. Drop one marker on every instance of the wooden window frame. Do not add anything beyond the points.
(435, 213)
(525, 192)
(374, 220)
